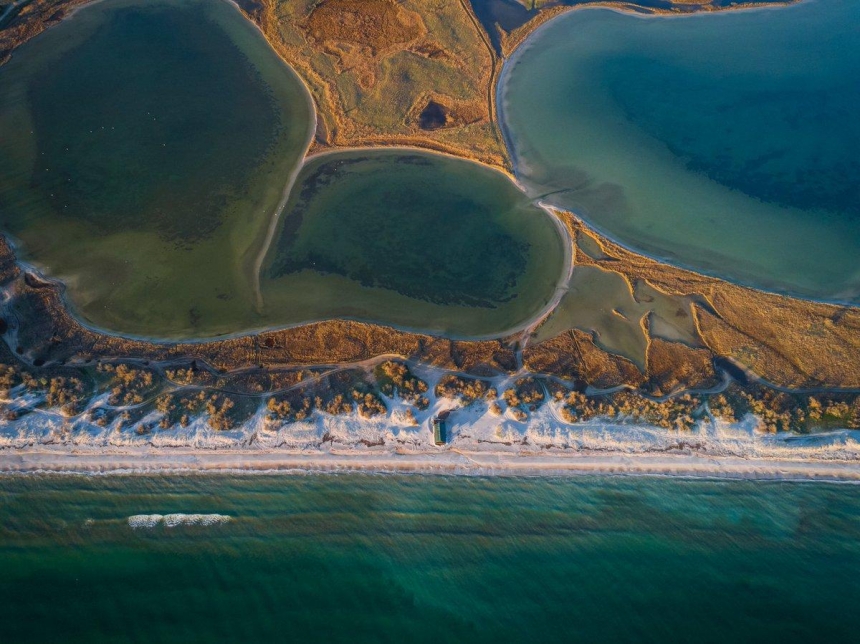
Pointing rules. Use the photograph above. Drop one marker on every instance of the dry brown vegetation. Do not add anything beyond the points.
(782, 411)
(345, 391)
(526, 392)
(223, 411)
(673, 366)
(518, 414)
(337, 405)
(395, 379)
(336, 394)
(373, 66)
(290, 408)
(31, 20)
(573, 355)
(787, 341)
(179, 408)
(9, 377)
(467, 390)
(67, 393)
(218, 408)
(128, 385)
(677, 413)
(190, 375)
(378, 25)
(369, 404)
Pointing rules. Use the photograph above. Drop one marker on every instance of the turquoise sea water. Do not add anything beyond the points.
(429, 559)
(723, 142)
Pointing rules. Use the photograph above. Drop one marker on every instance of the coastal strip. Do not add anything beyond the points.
(45, 460)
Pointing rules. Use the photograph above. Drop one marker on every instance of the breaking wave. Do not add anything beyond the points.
(173, 520)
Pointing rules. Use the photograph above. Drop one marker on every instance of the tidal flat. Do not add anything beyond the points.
(725, 143)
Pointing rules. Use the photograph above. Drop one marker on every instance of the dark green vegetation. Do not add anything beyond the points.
(418, 559)
(145, 147)
(451, 236)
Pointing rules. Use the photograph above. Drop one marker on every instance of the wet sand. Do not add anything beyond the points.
(47, 459)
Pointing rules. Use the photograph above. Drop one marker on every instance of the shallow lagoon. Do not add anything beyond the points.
(422, 240)
(726, 143)
(147, 146)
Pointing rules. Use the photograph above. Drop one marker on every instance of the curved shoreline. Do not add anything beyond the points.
(212, 457)
(512, 60)
(250, 334)
(498, 119)
(524, 326)
(274, 219)
(291, 179)
(641, 11)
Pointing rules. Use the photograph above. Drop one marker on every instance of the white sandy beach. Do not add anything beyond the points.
(454, 462)
(479, 443)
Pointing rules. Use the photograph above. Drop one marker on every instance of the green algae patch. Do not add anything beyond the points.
(146, 146)
(420, 240)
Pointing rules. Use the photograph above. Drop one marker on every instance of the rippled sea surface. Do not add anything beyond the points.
(414, 558)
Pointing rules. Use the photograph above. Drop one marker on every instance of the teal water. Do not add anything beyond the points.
(723, 142)
(422, 240)
(429, 559)
(144, 147)
(507, 15)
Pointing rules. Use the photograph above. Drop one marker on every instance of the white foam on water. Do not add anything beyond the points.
(178, 519)
(144, 520)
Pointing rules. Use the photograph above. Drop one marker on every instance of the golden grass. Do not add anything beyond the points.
(31, 20)
(373, 65)
(574, 356)
(788, 341)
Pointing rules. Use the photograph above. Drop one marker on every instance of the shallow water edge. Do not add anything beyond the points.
(469, 464)
(610, 218)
